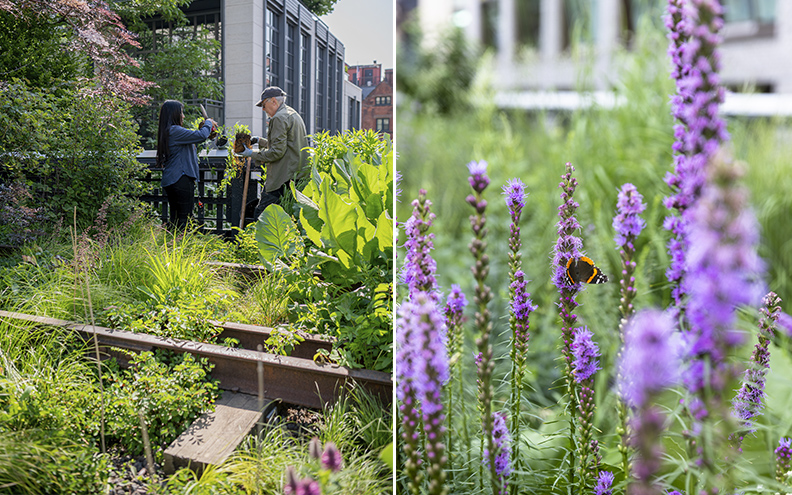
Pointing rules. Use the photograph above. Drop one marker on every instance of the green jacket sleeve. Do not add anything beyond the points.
(278, 136)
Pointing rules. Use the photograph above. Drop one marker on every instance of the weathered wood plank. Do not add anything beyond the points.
(214, 436)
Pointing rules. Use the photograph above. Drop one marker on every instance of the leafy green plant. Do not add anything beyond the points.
(172, 390)
(282, 341)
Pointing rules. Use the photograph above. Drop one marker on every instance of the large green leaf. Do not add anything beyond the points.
(339, 232)
(385, 232)
(277, 234)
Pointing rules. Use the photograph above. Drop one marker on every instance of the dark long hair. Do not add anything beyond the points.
(170, 114)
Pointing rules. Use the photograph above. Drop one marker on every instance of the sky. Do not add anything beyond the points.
(365, 27)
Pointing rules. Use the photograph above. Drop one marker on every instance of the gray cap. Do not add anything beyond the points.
(270, 92)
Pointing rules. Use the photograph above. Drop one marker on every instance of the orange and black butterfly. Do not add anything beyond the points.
(582, 270)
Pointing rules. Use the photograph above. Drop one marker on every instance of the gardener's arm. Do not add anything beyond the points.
(179, 135)
(277, 143)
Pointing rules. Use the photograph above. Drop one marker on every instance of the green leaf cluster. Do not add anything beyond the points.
(337, 253)
(70, 150)
(171, 390)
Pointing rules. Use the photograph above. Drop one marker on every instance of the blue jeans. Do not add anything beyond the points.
(181, 198)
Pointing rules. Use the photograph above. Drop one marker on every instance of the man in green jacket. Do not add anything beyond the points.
(283, 149)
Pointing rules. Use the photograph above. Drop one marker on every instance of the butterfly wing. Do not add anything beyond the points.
(583, 270)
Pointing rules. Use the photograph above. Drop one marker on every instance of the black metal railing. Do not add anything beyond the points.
(217, 208)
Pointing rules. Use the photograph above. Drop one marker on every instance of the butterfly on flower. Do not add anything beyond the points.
(582, 270)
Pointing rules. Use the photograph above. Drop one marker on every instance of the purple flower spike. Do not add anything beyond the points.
(650, 360)
(331, 457)
(604, 483)
(693, 42)
(419, 268)
(315, 448)
(421, 347)
(514, 190)
(627, 224)
(478, 176)
(502, 445)
(749, 401)
(586, 353)
(783, 459)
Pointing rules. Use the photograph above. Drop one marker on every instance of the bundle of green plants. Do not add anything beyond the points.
(170, 390)
(343, 455)
(336, 257)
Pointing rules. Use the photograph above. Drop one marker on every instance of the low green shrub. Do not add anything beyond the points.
(171, 390)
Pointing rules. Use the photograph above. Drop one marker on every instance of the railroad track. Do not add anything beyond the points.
(295, 379)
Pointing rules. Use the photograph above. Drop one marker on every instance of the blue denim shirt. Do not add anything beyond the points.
(182, 155)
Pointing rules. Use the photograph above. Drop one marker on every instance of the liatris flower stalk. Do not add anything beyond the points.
(585, 366)
(648, 365)
(783, 460)
(407, 395)
(749, 401)
(725, 272)
(514, 190)
(502, 444)
(628, 225)
(694, 38)
(604, 484)
(479, 181)
(567, 246)
(419, 268)
(455, 306)
(331, 457)
(422, 323)
(521, 308)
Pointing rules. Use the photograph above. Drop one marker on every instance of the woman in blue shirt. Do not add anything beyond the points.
(177, 154)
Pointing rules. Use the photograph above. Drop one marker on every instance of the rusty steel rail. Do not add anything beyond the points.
(249, 336)
(291, 379)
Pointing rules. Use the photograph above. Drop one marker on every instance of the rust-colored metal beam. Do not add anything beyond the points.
(249, 336)
(291, 379)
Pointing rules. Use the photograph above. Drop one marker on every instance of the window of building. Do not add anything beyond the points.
(291, 62)
(272, 62)
(578, 25)
(382, 100)
(489, 23)
(305, 79)
(763, 11)
(383, 125)
(321, 104)
(339, 97)
(527, 22)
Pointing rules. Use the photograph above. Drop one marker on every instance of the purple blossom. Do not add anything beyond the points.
(421, 347)
(627, 224)
(478, 176)
(456, 303)
(604, 483)
(725, 272)
(748, 403)
(783, 455)
(331, 457)
(586, 352)
(305, 486)
(514, 190)
(650, 359)
(568, 245)
(522, 307)
(502, 445)
(693, 41)
(785, 323)
(419, 268)
(315, 448)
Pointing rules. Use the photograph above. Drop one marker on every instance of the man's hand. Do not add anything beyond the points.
(245, 154)
(254, 139)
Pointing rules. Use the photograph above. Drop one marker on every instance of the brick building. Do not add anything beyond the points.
(377, 107)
